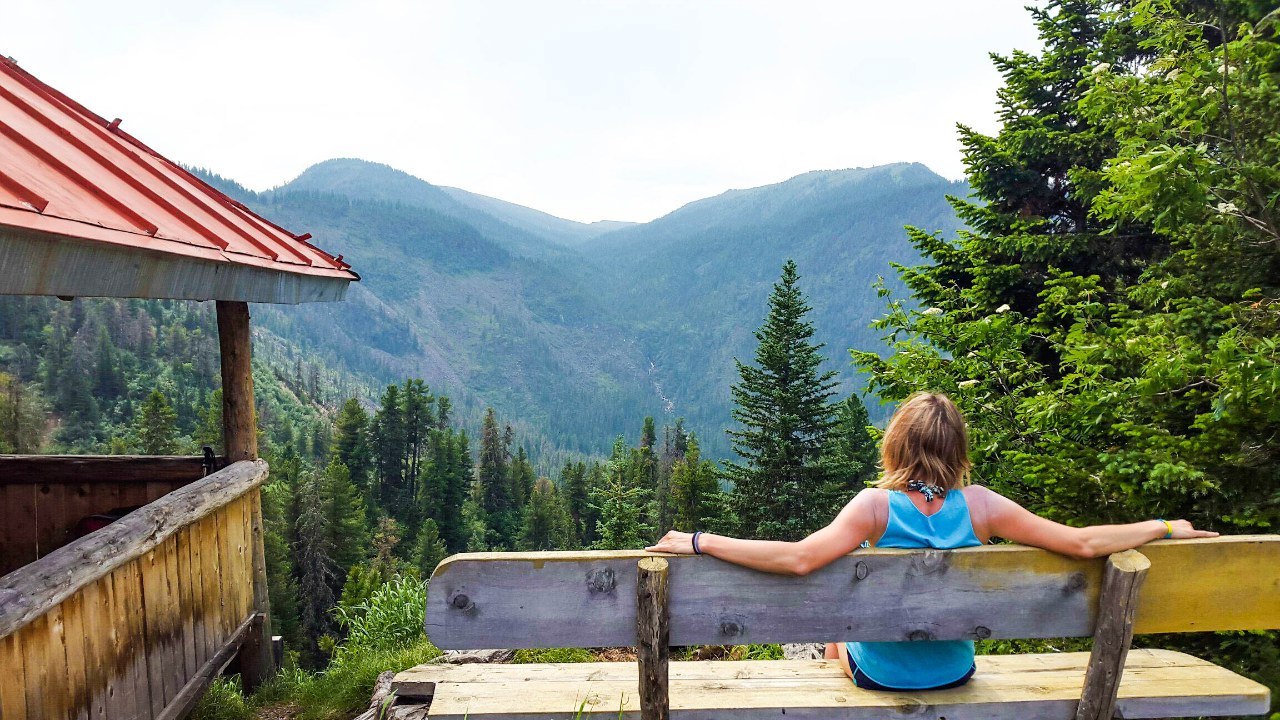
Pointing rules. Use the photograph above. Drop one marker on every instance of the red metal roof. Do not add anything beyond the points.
(65, 171)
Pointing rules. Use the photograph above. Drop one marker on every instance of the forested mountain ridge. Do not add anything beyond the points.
(692, 284)
(574, 333)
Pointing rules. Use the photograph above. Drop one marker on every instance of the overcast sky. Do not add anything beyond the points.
(589, 110)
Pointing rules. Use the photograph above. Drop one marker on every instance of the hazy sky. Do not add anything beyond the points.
(588, 110)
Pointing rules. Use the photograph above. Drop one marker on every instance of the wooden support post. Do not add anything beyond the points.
(239, 428)
(1117, 604)
(653, 635)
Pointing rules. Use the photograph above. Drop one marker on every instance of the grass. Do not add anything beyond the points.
(337, 692)
(384, 633)
(553, 655)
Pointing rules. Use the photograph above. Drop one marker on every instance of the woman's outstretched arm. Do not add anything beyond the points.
(1009, 520)
(855, 523)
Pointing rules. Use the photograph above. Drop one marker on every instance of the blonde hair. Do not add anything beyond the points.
(927, 442)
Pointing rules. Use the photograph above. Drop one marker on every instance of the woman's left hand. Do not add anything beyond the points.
(675, 542)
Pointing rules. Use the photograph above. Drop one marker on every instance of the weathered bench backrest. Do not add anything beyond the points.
(588, 599)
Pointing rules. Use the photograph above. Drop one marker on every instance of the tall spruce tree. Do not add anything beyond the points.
(784, 409)
(850, 454)
(547, 524)
(429, 549)
(389, 438)
(351, 443)
(345, 518)
(696, 498)
(497, 496)
(316, 571)
(154, 428)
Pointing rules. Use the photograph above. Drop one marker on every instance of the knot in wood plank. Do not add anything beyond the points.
(602, 580)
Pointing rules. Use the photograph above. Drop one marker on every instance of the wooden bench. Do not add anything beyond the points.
(651, 602)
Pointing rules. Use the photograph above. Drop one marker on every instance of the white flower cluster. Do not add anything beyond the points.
(1227, 208)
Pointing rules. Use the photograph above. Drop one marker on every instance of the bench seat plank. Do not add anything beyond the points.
(1157, 684)
(587, 599)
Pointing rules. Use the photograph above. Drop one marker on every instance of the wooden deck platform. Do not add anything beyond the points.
(1044, 686)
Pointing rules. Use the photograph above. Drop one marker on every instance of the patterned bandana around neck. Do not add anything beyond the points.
(928, 490)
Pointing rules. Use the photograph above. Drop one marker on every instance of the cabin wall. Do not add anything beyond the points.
(126, 644)
(39, 518)
(43, 497)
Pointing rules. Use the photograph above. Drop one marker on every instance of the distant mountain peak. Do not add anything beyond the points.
(365, 179)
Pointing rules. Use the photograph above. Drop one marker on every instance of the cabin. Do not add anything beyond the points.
(133, 619)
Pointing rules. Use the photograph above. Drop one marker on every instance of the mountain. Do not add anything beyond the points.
(580, 330)
(693, 284)
(557, 230)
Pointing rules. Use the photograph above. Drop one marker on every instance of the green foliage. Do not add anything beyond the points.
(351, 443)
(547, 524)
(851, 454)
(429, 549)
(21, 417)
(497, 485)
(698, 502)
(771, 651)
(783, 406)
(153, 430)
(224, 700)
(621, 505)
(391, 618)
(552, 655)
(1110, 324)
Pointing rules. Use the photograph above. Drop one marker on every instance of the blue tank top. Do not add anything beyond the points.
(926, 663)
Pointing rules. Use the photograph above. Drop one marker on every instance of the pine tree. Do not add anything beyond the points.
(21, 418)
(696, 498)
(208, 432)
(154, 428)
(429, 550)
(621, 509)
(649, 472)
(573, 481)
(620, 503)
(351, 442)
(851, 453)
(345, 517)
(547, 524)
(523, 477)
(389, 438)
(108, 384)
(496, 488)
(783, 405)
(417, 409)
(315, 568)
(282, 586)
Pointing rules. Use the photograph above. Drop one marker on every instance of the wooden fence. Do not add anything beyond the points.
(134, 620)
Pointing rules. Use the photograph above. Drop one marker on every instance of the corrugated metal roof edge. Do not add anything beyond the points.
(34, 262)
(215, 194)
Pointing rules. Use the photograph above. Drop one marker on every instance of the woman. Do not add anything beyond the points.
(923, 500)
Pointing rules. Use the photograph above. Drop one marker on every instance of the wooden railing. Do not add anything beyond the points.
(42, 497)
(135, 619)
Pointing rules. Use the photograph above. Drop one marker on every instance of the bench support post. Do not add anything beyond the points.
(1112, 635)
(653, 637)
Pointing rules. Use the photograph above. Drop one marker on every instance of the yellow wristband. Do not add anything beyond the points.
(1168, 526)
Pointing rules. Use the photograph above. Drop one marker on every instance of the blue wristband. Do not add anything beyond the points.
(1168, 528)
(696, 550)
